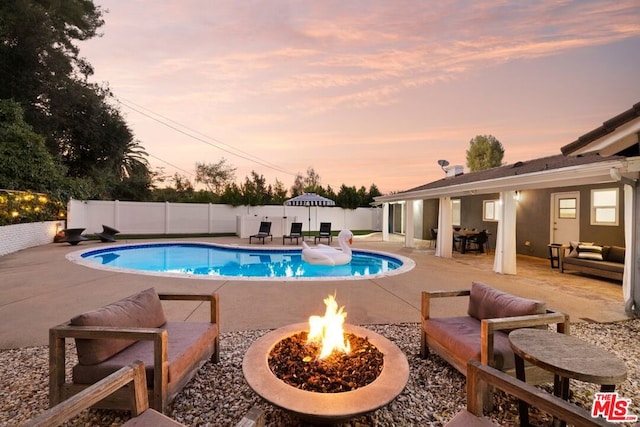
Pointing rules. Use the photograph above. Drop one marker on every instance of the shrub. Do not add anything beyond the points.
(19, 207)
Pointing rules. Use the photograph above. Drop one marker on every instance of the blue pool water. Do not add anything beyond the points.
(206, 260)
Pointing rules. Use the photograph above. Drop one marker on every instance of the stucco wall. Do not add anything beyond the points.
(602, 234)
(533, 219)
(471, 215)
(430, 216)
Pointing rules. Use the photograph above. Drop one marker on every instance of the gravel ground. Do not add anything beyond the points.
(218, 395)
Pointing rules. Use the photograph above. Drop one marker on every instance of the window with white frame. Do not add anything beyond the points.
(455, 211)
(490, 210)
(568, 208)
(604, 206)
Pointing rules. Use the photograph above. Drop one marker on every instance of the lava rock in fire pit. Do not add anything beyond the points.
(296, 362)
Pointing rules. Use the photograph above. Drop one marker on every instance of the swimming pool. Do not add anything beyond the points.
(203, 260)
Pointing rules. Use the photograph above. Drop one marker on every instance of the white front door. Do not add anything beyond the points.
(565, 217)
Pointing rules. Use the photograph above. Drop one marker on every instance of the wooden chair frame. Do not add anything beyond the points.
(480, 376)
(488, 327)
(161, 393)
(120, 379)
(134, 379)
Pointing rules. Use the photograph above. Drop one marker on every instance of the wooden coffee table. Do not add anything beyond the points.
(566, 357)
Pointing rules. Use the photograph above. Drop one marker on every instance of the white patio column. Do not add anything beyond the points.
(505, 258)
(408, 215)
(385, 222)
(444, 245)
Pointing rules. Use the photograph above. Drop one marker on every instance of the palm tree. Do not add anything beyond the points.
(134, 157)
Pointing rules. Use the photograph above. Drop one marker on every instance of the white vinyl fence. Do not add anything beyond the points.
(186, 218)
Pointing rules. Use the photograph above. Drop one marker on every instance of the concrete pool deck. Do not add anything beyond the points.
(40, 288)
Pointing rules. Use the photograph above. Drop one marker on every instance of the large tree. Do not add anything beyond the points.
(484, 152)
(38, 48)
(26, 163)
(42, 70)
(215, 176)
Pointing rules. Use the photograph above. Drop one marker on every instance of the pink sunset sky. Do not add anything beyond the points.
(363, 91)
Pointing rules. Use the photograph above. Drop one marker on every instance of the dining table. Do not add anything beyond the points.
(464, 235)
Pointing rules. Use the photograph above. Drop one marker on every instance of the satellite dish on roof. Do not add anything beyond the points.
(443, 164)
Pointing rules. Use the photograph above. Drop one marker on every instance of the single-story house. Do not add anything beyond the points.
(588, 192)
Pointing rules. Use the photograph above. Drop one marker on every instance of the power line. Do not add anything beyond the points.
(170, 164)
(152, 115)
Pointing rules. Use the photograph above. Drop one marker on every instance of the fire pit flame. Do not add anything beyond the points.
(327, 331)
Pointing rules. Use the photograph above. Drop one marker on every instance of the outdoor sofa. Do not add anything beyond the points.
(134, 328)
(603, 261)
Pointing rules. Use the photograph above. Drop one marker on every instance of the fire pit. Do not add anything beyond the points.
(325, 407)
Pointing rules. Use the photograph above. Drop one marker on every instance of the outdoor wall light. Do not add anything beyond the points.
(517, 196)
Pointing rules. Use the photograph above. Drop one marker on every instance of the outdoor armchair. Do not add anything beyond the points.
(482, 334)
(134, 328)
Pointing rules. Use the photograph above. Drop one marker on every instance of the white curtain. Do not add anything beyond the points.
(629, 229)
(444, 246)
(505, 257)
(408, 228)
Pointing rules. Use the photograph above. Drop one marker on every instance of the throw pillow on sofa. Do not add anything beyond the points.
(573, 248)
(592, 252)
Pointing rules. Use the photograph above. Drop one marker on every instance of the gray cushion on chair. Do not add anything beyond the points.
(187, 341)
(464, 342)
(142, 310)
(486, 302)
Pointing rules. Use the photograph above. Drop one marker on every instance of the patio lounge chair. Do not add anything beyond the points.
(108, 234)
(265, 231)
(324, 233)
(295, 233)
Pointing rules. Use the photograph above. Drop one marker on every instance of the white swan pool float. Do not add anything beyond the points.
(328, 255)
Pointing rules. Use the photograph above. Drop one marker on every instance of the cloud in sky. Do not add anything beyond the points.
(365, 91)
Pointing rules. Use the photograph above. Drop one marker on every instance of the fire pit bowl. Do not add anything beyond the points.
(325, 407)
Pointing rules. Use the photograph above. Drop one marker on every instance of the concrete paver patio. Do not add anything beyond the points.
(40, 288)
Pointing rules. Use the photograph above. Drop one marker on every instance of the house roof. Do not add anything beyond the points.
(588, 160)
(622, 130)
(518, 168)
(545, 172)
